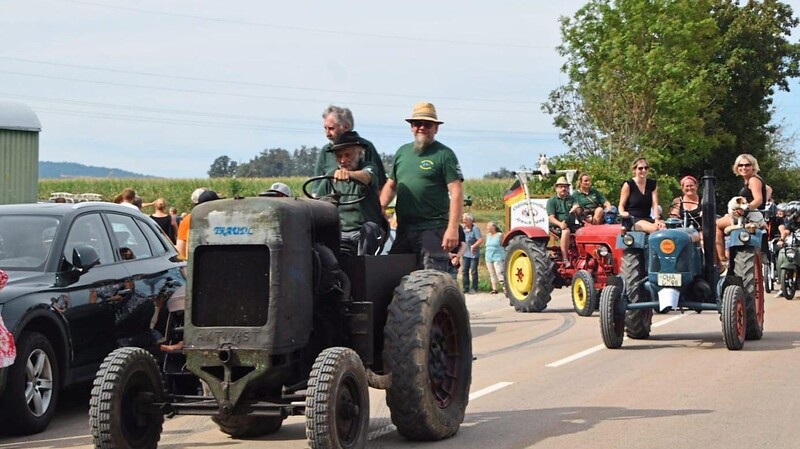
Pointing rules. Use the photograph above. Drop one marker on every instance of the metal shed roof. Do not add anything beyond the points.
(19, 117)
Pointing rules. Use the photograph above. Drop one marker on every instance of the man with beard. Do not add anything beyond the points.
(359, 222)
(338, 120)
(427, 181)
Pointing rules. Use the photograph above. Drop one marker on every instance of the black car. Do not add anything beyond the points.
(84, 279)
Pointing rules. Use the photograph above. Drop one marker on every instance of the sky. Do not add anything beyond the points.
(163, 88)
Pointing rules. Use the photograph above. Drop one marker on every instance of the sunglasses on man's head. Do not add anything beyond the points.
(421, 124)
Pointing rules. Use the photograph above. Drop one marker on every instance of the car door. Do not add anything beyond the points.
(89, 304)
(154, 279)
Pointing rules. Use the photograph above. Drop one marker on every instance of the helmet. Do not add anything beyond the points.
(611, 215)
(783, 206)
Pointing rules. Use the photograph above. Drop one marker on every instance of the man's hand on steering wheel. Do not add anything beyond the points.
(335, 195)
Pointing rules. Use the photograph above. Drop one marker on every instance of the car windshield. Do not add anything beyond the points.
(25, 241)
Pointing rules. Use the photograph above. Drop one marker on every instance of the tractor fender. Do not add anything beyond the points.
(532, 232)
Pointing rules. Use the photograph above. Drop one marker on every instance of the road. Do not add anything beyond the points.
(546, 381)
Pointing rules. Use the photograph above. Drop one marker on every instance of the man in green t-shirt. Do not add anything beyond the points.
(337, 120)
(361, 232)
(427, 181)
(561, 209)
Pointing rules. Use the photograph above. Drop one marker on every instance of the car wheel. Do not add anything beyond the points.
(32, 387)
(127, 383)
(337, 401)
(428, 351)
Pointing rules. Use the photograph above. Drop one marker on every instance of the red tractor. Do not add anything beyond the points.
(534, 265)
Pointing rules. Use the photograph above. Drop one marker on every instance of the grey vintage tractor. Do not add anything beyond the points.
(280, 322)
(674, 269)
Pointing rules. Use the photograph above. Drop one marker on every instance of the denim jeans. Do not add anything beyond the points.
(469, 267)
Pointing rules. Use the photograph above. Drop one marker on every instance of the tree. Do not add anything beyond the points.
(222, 167)
(270, 163)
(685, 83)
(303, 161)
(503, 173)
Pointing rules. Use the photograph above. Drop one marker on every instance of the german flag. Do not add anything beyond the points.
(514, 194)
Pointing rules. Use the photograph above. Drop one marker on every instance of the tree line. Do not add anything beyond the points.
(276, 163)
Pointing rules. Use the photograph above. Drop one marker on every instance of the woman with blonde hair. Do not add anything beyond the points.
(164, 220)
(638, 199)
(688, 203)
(494, 255)
(754, 192)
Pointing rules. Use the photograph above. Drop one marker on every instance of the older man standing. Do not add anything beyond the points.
(427, 181)
(338, 120)
(359, 222)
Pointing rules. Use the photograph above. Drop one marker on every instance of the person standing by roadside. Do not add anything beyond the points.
(164, 220)
(8, 350)
(200, 195)
(495, 255)
(472, 255)
(336, 121)
(426, 179)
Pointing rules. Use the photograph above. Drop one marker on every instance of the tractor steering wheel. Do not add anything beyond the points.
(336, 195)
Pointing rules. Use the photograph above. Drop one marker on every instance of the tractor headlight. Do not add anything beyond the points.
(744, 237)
(602, 251)
(627, 239)
(791, 253)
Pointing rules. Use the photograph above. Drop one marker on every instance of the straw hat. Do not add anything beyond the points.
(424, 111)
(562, 181)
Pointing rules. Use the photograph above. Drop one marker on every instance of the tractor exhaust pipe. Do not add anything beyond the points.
(709, 224)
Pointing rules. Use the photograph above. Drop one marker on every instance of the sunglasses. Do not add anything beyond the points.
(421, 124)
(643, 168)
(744, 165)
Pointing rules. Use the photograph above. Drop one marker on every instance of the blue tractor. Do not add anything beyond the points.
(675, 269)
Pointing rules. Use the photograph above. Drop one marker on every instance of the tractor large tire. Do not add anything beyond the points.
(584, 294)
(733, 317)
(337, 401)
(247, 426)
(747, 268)
(32, 387)
(634, 270)
(127, 379)
(529, 274)
(428, 351)
(612, 320)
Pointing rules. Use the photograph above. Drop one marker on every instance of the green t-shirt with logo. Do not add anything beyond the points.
(423, 200)
(591, 200)
(352, 216)
(559, 207)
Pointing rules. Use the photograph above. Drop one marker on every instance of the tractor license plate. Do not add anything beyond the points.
(669, 279)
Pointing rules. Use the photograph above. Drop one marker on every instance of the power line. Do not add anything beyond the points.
(308, 30)
(250, 96)
(251, 84)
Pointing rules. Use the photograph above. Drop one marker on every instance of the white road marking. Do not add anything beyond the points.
(49, 440)
(594, 349)
(483, 392)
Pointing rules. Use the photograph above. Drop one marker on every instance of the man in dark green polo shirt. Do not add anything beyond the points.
(337, 120)
(427, 181)
(359, 222)
(561, 209)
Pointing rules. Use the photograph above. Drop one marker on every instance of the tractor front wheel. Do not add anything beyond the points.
(612, 316)
(584, 294)
(733, 317)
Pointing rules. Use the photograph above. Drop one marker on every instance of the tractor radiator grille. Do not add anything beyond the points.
(230, 285)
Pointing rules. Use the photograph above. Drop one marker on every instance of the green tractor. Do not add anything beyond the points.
(674, 269)
(279, 322)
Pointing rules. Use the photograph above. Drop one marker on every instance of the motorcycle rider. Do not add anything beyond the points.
(790, 224)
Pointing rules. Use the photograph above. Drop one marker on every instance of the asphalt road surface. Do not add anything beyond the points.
(545, 380)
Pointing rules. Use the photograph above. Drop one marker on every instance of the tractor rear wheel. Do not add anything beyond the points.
(746, 267)
(634, 271)
(529, 274)
(584, 294)
(428, 351)
(612, 319)
(733, 317)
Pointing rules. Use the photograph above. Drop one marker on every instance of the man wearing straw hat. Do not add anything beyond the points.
(562, 211)
(427, 181)
(336, 121)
